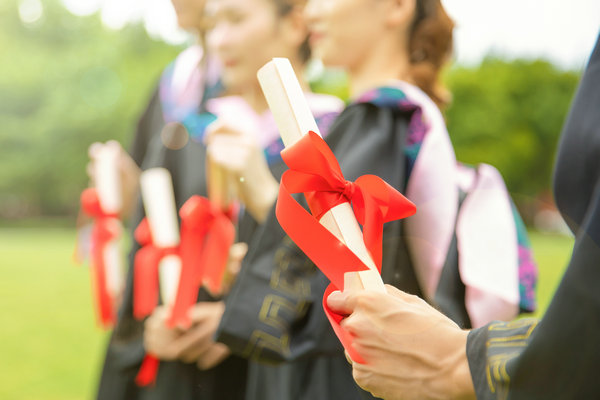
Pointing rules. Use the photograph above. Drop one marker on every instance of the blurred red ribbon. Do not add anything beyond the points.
(106, 228)
(148, 371)
(145, 270)
(314, 171)
(206, 237)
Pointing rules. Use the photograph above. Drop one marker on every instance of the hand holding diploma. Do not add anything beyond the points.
(236, 152)
(191, 345)
(178, 262)
(161, 244)
(126, 173)
(411, 350)
(157, 264)
(340, 251)
(194, 343)
(104, 204)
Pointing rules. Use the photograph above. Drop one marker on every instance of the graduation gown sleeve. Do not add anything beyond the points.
(558, 356)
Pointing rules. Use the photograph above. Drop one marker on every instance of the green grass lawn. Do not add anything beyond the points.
(50, 345)
(552, 253)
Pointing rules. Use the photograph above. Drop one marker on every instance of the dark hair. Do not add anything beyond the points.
(284, 7)
(430, 47)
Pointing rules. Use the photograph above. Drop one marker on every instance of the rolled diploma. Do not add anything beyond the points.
(294, 119)
(159, 203)
(219, 187)
(108, 187)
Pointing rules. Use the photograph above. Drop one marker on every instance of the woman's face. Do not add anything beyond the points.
(342, 32)
(246, 34)
(189, 13)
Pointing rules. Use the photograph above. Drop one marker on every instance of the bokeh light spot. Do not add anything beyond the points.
(174, 136)
(30, 11)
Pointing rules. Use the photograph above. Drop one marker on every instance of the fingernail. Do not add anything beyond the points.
(334, 296)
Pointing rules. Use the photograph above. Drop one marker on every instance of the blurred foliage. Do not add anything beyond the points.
(67, 81)
(510, 114)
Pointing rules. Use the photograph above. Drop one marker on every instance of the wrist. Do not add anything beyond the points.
(461, 383)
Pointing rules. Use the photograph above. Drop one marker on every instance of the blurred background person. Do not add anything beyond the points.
(169, 135)
(501, 359)
(244, 140)
(393, 52)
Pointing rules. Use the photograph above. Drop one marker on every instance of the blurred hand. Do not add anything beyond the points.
(197, 344)
(239, 154)
(192, 345)
(160, 340)
(129, 175)
(411, 350)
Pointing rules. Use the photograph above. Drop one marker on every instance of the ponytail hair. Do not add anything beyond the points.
(430, 47)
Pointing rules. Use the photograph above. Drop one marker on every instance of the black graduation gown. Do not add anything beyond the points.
(274, 312)
(175, 380)
(558, 356)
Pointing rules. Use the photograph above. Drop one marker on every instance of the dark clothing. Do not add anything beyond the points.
(557, 357)
(274, 312)
(175, 380)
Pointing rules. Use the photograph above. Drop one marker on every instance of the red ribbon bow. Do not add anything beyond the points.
(206, 236)
(315, 172)
(106, 228)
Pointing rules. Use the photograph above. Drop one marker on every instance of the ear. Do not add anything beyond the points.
(401, 13)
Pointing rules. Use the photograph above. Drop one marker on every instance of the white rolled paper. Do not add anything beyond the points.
(294, 119)
(106, 175)
(114, 268)
(159, 203)
(169, 271)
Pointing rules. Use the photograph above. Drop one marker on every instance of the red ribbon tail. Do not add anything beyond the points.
(330, 255)
(104, 304)
(190, 248)
(145, 282)
(106, 228)
(187, 293)
(103, 300)
(148, 371)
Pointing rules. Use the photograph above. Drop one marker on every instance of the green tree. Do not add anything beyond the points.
(510, 114)
(65, 82)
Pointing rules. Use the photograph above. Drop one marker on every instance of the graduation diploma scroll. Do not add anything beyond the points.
(178, 261)
(331, 237)
(158, 261)
(221, 235)
(161, 214)
(104, 203)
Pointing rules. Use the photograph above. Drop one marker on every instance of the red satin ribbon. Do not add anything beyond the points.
(148, 371)
(106, 228)
(206, 236)
(315, 172)
(145, 271)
